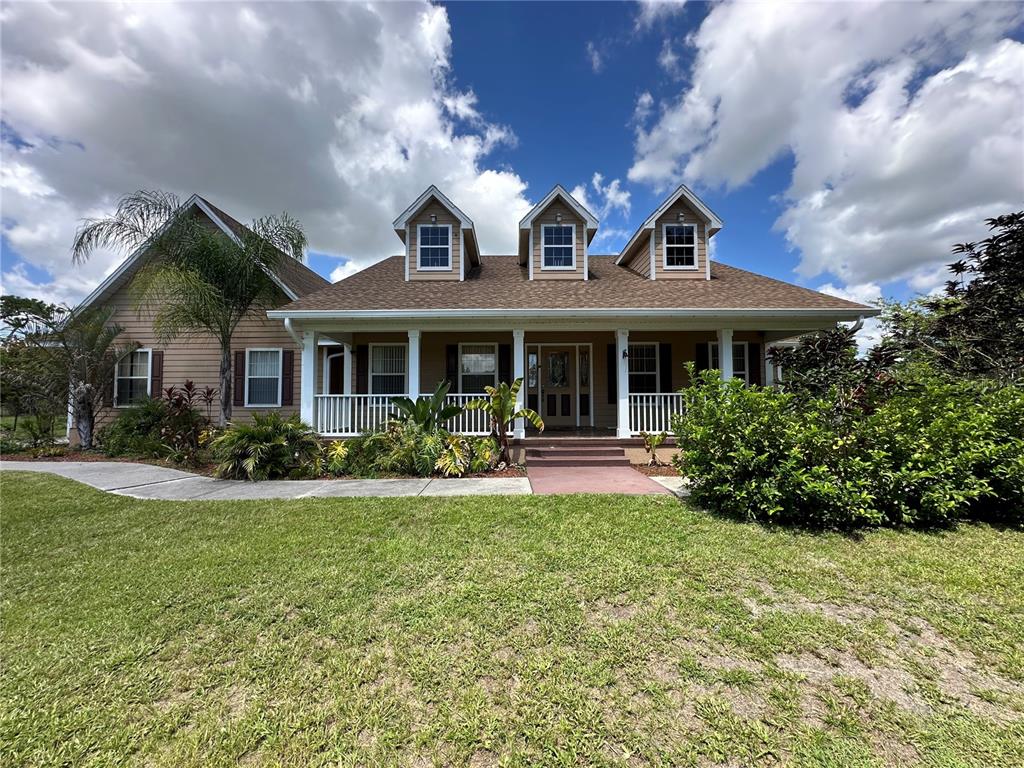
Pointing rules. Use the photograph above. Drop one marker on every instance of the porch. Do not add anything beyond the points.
(610, 384)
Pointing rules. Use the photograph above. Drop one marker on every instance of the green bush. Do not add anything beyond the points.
(930, 455)
(405, 448)
(156, 428)
(271, 447)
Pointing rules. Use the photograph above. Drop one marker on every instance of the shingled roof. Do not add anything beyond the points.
(501, 283)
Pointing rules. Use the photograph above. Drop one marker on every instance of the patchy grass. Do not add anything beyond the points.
(501, 631)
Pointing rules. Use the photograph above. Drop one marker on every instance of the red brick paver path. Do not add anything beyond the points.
(554, 480)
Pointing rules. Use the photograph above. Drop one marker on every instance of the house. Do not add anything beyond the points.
(265, 356)
(601, 341)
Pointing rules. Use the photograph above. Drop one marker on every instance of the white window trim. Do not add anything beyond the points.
(149, 375)
(657, 364)
(369, 366)
(713, 345)
(544, 246)
(419, 249)
(665, 246)
(280, 376)
(481, 344)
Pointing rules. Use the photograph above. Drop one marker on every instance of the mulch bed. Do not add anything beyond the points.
(662, 471)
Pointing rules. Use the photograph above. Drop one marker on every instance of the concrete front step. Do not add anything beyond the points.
(544, 453)
(568, 460)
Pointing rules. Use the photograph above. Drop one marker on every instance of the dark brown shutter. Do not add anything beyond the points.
(156, 375)
(613, 375)
(505, 363)
(451, 366)
(288, 377)
(703, 356)
(362, 369)
(755, 364)
(665, 366)
(108, 390)
(239, 382)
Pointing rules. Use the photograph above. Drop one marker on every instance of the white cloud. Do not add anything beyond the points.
(346, 269)
(644, 107)
(594, 57)
(903, 121)
(339, 113)
(652, 12)
(603, 199)
(668, 59)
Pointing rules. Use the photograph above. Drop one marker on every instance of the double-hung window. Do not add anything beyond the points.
(643, 368)
(262, 378)
(132, 381)
(680, 246)
(739, 360)
(558, 250)
(387, 369)
(434, 246)
(478, 367)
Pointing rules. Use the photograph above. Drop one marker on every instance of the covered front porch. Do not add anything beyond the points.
(613, 383)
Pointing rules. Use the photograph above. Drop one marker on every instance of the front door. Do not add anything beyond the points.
(558, 386)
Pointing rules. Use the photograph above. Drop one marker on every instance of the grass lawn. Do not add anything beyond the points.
(496, 631)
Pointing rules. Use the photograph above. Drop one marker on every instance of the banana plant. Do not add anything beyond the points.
(428, 413)
(500, 405)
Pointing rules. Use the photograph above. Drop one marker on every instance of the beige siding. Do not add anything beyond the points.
(671, 216)
(443, 217)
(547, 216)
(198, 357)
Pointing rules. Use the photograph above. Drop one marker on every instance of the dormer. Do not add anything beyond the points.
(673, 242)
(554, 237)
(440, 242)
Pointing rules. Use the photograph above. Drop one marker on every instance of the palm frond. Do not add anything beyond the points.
(139, 217)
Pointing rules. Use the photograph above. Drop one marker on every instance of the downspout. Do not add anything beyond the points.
(292, 332)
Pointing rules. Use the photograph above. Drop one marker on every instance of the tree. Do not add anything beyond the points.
(21, 314)
(500, 405)
(976, 328)
(197, 279)
(26, 387)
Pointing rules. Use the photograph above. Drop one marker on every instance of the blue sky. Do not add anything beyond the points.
(845, 146)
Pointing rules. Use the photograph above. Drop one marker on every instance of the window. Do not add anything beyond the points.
(643, 368)
(387, 369)
(131, 384)
(434, 246)
(680, 246)
(531, 370)
(478, 367)
(262, 378)
(739, 360)
(559, 250)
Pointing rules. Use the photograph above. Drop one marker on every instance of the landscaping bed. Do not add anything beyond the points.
(580, 630)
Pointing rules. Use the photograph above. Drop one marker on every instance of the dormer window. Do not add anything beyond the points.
(434, 246)
(559, 251)
(680, 246)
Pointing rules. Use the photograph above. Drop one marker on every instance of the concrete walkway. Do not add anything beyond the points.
(147, 481)
(558, 480)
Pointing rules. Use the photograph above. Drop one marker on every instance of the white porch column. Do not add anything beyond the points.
(346, 367)
(519, 372)
(413, 366)
(725, 352)
(307, 386)
(622, 382)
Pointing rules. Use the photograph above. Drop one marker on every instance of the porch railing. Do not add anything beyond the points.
(653, 412)
(347, 415)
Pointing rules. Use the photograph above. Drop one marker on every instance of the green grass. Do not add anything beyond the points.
(485, 631)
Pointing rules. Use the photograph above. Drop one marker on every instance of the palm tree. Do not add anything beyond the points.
(197, 280)
(500, 405)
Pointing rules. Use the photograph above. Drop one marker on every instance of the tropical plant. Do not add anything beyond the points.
(270, 447)
(199, 280)
(455, 458)
(651, 444)
(485, 454)
(428, 413)
(500, 405)
(337, 453)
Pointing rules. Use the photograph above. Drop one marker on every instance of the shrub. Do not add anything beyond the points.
(169, 427)
(404, 448)
(428, 413)
(931, 454)
(271, 447)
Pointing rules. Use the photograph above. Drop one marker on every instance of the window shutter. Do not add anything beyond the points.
(362, 369)
(239, 382)
(288, 377)
(703, 356)
(755, 365)
(108, 390)
(665, 366)
(451, 366)
(156, 377)
(613, 383)
(505, 363)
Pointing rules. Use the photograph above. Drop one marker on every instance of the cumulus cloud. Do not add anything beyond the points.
(339, 113)
(652, 12)
(903, 121)
(602, 199)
